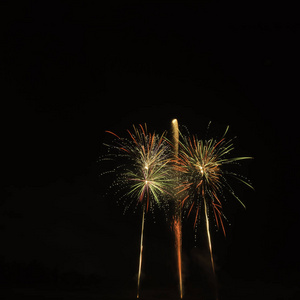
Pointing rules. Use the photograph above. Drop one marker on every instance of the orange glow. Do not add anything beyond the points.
(177, 231)
(175, 136)
(177, 219)
(112, 133)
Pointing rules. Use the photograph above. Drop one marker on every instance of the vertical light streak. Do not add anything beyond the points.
(141, 253)
(177, 219)
(208, 236)
(209, 242)
(175, 136)
(177, 230)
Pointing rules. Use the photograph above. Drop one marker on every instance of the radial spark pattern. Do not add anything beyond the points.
(203, 175)
(144, 172)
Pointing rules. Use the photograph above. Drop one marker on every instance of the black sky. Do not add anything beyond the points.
(70, 71)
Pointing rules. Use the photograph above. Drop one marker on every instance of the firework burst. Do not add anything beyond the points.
(203, 175)
(194, 173)
(201, 165)
(145, 173)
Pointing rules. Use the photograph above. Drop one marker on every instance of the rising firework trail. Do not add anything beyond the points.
(203, 168)
(144, 174)
(175, 132)
(177, 218)
(208, 237)
(141, 254)
(178, 244)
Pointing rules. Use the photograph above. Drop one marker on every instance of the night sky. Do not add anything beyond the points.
(71, 70)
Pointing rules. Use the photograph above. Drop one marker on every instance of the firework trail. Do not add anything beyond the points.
(141, 253)
(176, 226)
(145, 173)
(208, 237)
(201, 165)
(175, 132)
(177, 218)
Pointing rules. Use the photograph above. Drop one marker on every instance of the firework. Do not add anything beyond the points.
(177, 218)
(201, 165)
(144, 172)
(141, 256)
(175, 132)
(147, 174)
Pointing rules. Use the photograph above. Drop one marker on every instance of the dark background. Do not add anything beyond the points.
(71, 70)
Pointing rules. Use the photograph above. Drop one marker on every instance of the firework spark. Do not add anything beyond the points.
(145, 174)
